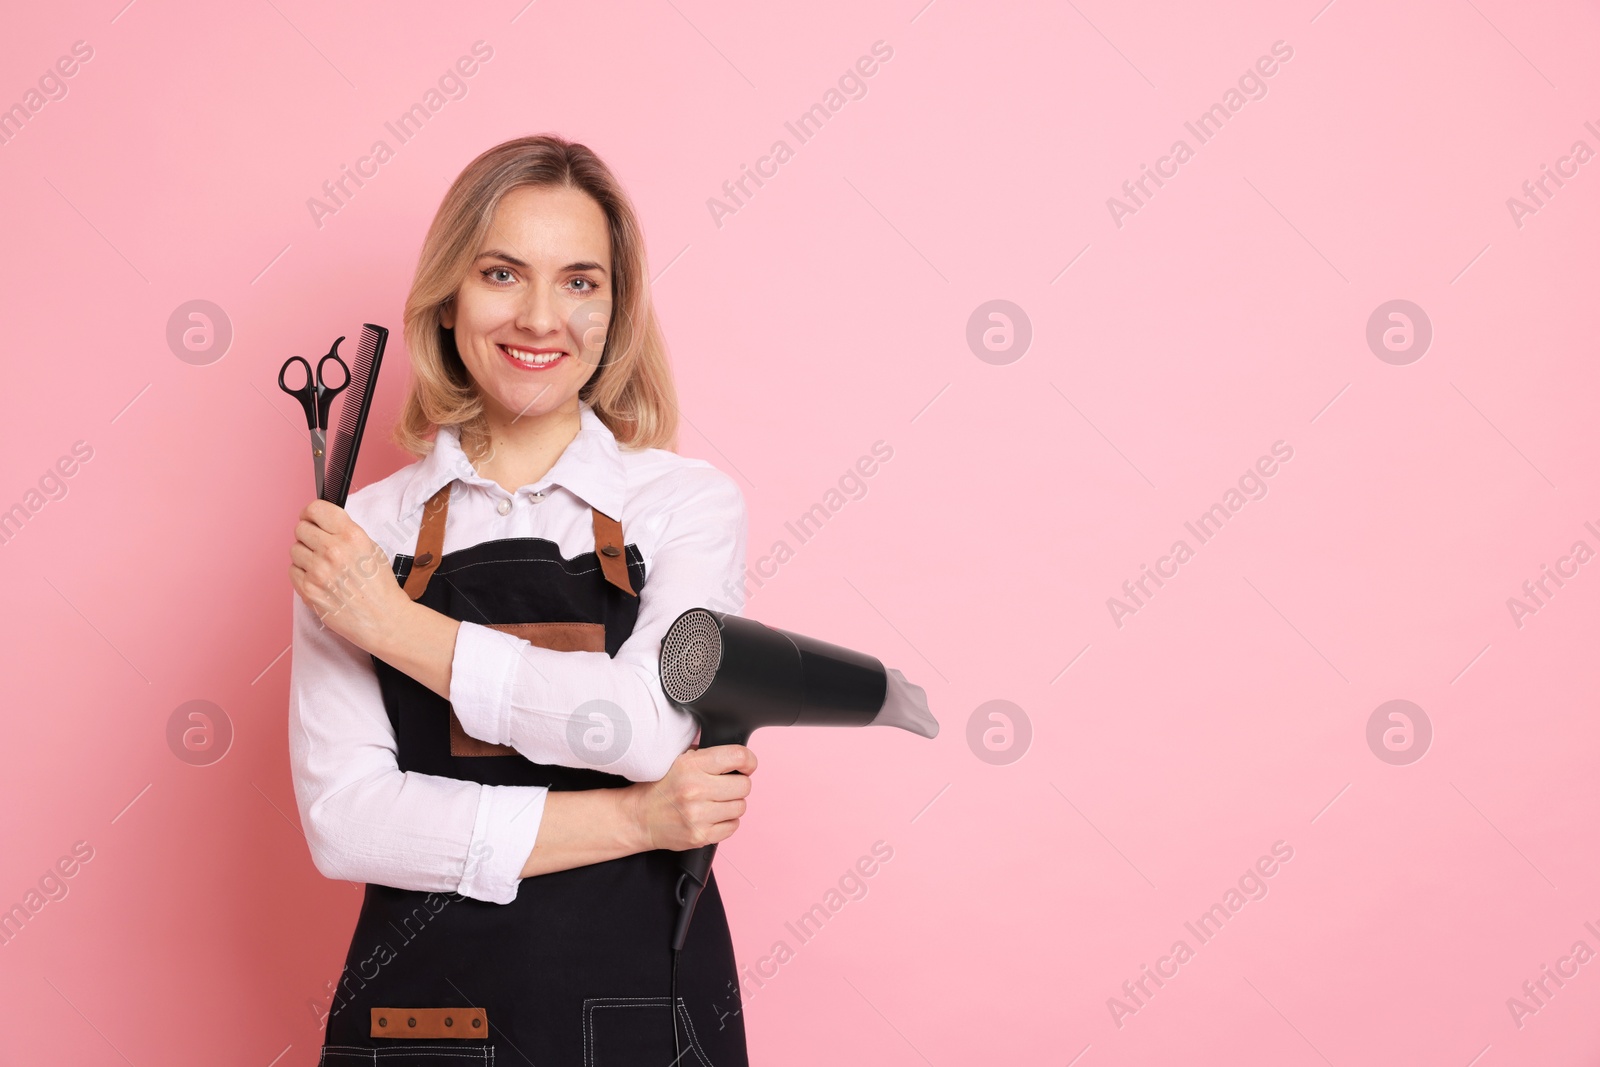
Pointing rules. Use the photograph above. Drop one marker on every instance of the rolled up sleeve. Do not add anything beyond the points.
(364, 819)
(588, 709)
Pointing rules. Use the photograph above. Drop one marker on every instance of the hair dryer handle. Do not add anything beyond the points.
(696, 867)
(720, 732)
(695, 863)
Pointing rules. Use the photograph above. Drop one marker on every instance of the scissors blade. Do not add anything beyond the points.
(319, 458)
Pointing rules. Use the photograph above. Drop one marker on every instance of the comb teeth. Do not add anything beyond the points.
(354, 405)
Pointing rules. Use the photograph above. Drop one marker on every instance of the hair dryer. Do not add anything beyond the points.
(736, 675)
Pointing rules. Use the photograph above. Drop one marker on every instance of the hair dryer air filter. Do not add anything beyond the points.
(691, 652)
(737, 675)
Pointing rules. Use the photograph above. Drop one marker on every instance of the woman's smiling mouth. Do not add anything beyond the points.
(532, 358)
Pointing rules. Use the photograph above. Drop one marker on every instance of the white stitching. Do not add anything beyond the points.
(494, 562)
(483, 1055)
(694, 1039)
(588, 1018)
(591, 1003)
(633, 545)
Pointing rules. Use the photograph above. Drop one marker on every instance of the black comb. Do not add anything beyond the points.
(353, 408)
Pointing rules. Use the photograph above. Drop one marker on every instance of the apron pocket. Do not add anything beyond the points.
(407, 1056)
(628, 1031)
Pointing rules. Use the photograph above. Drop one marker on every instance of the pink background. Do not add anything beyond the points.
(831, 311)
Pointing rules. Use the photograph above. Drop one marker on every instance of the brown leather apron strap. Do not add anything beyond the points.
(467, 1023)
(611, 551)
(609, 546)
(430, 543)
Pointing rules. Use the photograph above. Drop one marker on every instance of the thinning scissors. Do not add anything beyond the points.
(316, 396)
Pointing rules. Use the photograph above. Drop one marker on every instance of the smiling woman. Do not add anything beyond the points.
(531, 333)
(482, 722)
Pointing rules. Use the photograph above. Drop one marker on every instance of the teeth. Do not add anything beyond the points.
(532, 357)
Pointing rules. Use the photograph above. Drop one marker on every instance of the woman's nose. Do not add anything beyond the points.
(538, 314)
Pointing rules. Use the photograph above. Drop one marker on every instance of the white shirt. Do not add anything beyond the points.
(366, 820)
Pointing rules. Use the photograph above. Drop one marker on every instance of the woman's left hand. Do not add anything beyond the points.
(344, 576)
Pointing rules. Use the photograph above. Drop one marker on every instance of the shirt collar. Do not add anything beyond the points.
(590, 467)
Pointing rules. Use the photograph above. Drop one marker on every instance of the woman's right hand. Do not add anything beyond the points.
(698, 802)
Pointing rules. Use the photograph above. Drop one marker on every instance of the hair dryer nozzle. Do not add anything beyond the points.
(906, 705)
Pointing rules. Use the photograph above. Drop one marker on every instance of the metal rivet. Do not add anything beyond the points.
(611, 550)
(382, 1021)
(425, 559)
(477, 1023)
(411, 1022)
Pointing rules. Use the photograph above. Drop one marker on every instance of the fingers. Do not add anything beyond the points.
(721, 759)
(721, 832)
(311, 535)
(313, 545)
(699, 799)
(328, 530)
(695, 781)
(727, 810)
(329, 516)
(719, 787)
(720, 824)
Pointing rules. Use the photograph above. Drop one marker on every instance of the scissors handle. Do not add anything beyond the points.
(304, 393)
(316, 397)
(326, 392)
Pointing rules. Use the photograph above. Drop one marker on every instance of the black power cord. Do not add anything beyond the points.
(673, 1007)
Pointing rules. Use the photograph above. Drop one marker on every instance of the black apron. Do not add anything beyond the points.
(576, 971)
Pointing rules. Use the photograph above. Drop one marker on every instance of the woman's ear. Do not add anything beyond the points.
(447, 313)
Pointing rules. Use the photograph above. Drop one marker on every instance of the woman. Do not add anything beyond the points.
(477, 726)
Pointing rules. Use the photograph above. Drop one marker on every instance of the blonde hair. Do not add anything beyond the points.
(632, 391)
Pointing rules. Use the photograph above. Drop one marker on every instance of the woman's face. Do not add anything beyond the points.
(531, 315)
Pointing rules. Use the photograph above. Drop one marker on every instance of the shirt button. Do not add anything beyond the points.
(504, 506)
(537, 497)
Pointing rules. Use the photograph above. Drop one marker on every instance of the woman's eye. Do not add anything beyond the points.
(591, 285)
(495, 270)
